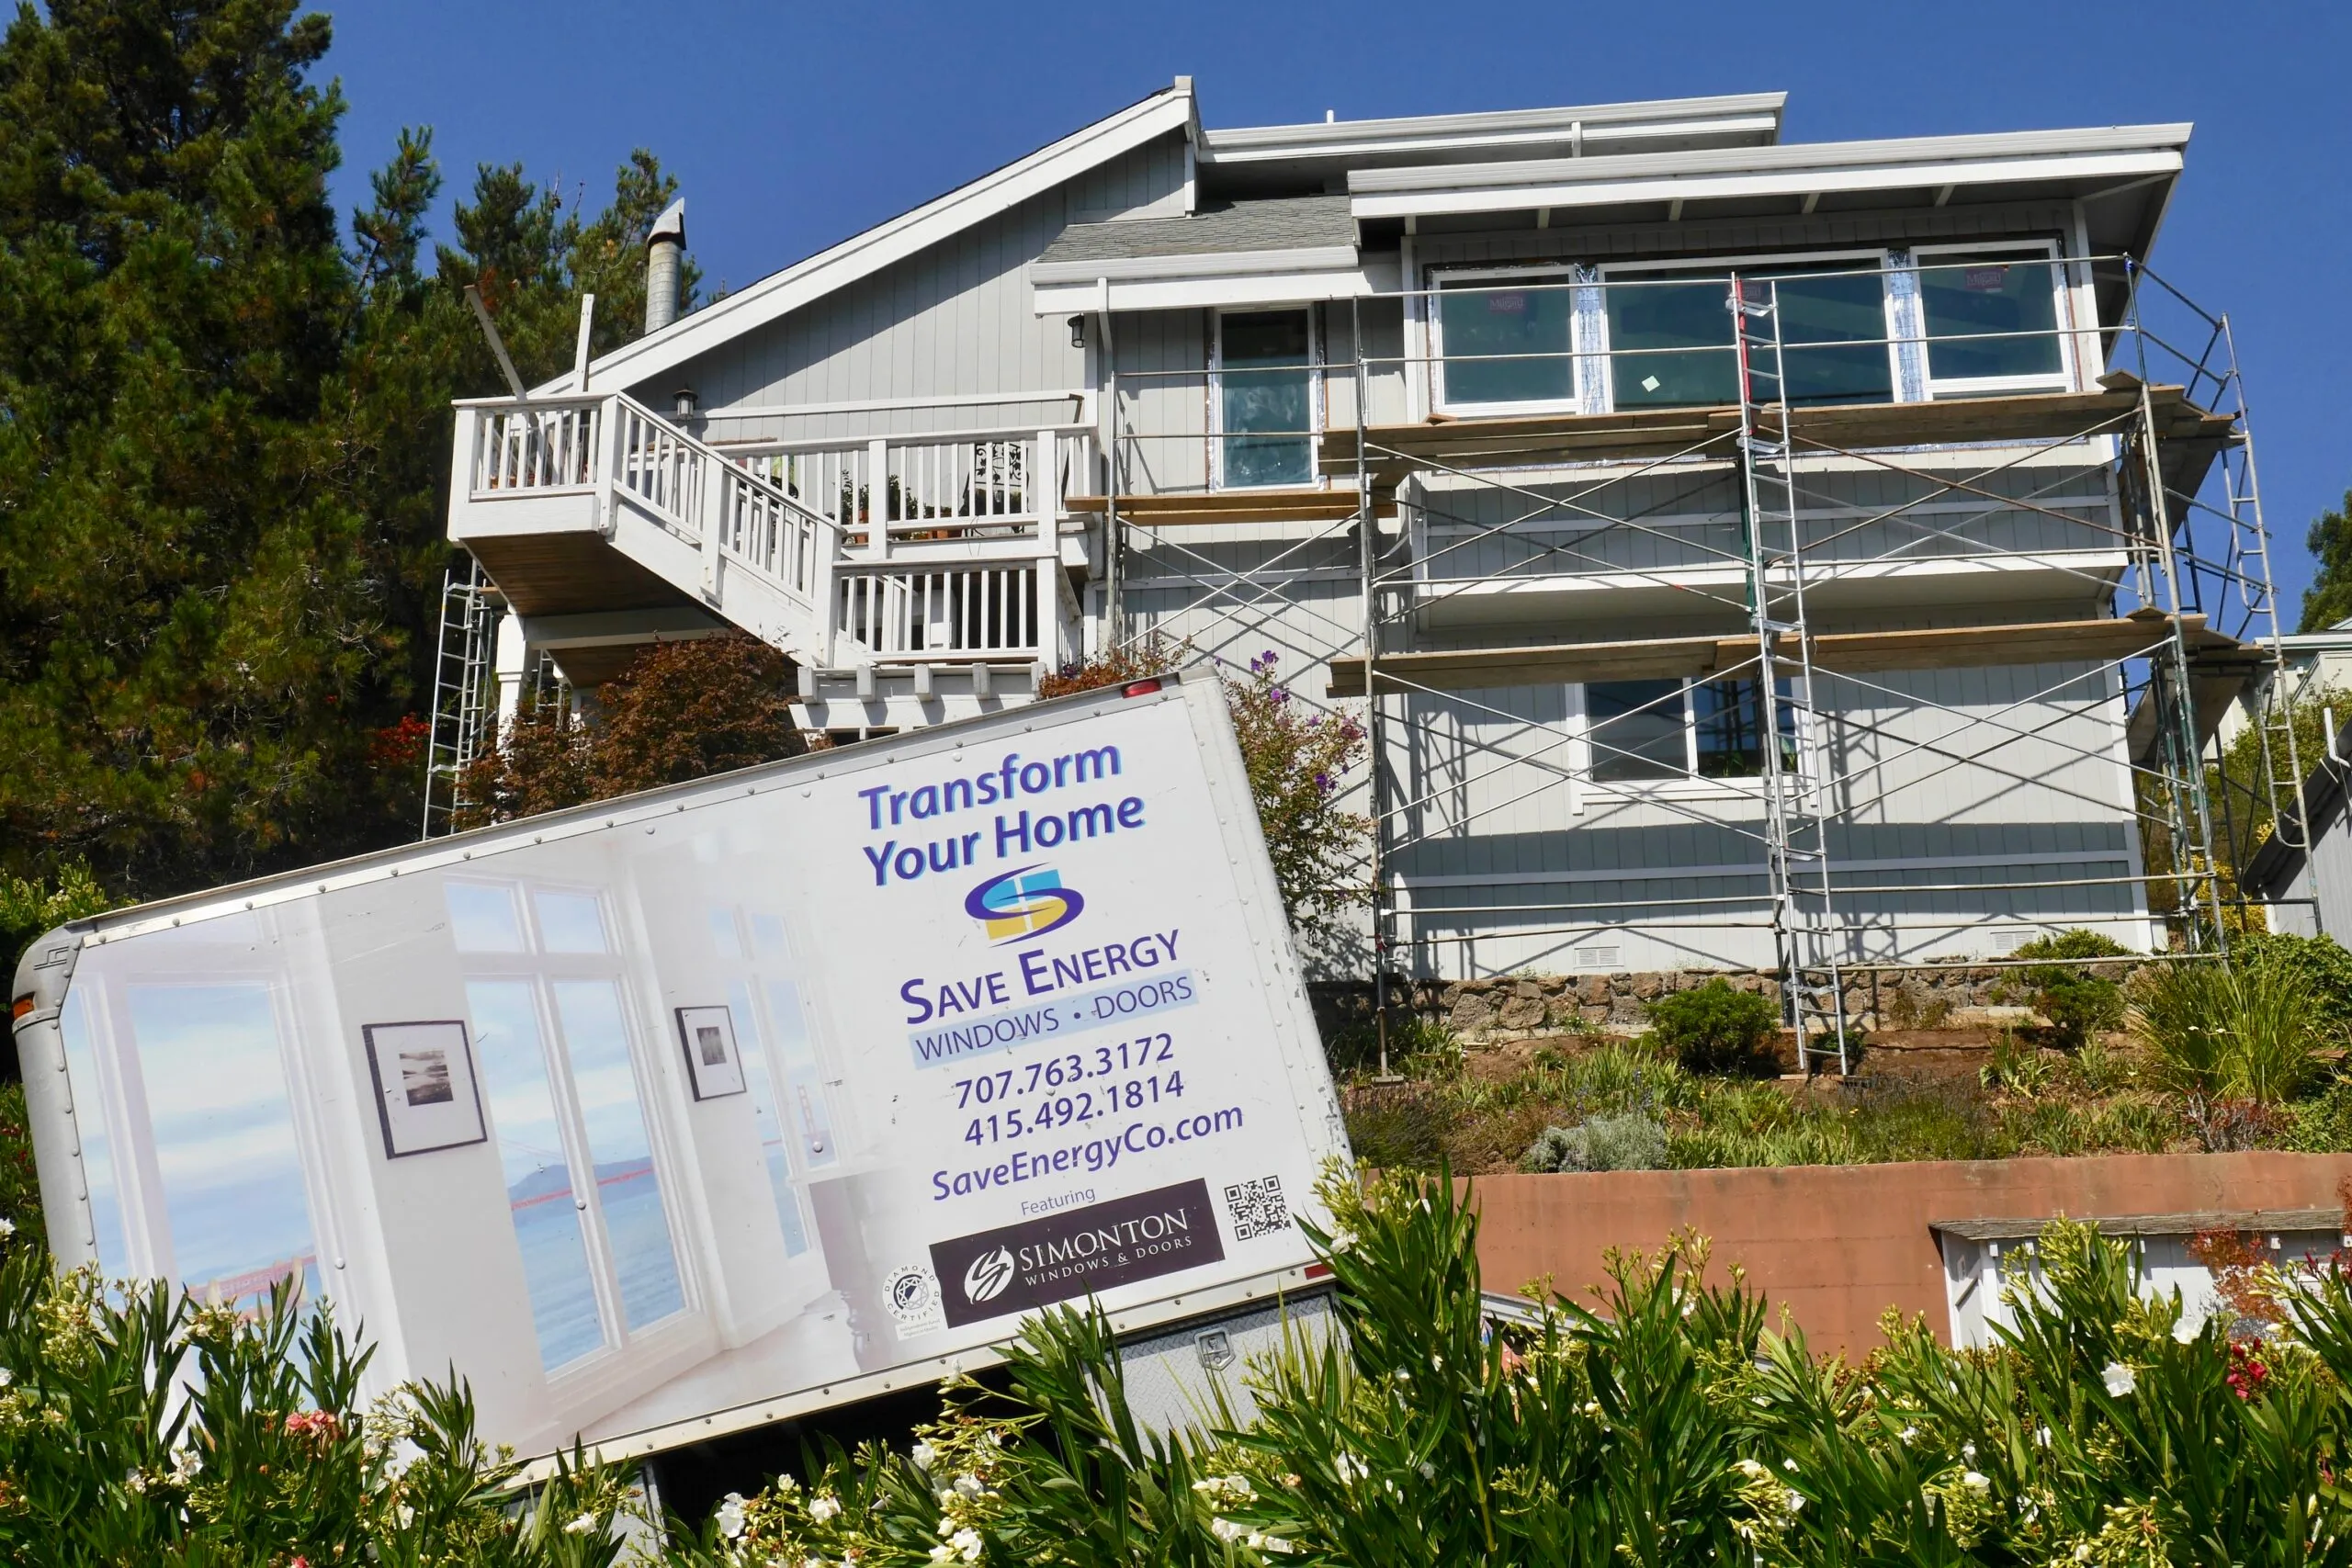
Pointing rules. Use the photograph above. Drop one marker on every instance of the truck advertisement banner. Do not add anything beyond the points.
(696, 1102)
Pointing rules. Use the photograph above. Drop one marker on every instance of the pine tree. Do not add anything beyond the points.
(2329, 598)
(224, 437)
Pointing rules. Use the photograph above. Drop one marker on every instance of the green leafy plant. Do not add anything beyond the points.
(1714, 1029)
(2078, 1002)
(1630, 1141)
(2244, 1030)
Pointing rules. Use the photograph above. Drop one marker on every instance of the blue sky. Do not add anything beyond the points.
(793, 125)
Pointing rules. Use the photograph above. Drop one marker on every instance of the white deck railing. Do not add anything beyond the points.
(960, 566)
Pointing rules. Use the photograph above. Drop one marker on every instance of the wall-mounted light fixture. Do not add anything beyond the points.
(685, 403)
(1077, 331)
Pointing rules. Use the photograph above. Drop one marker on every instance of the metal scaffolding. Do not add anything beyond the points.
(2188, 622)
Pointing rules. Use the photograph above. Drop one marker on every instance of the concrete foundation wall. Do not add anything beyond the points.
(1839, 1244)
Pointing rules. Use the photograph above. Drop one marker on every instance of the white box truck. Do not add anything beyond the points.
(677, 1114)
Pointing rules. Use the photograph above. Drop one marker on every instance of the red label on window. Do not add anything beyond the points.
(1506, 304)
(1984, 279)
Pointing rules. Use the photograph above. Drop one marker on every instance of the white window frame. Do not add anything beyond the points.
(2065, 380)
(1690, 783)
(595, 1375)
(1537, 275)
(1315, 480)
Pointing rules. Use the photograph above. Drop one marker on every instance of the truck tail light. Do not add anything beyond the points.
(22, 1006)
(1139, 688)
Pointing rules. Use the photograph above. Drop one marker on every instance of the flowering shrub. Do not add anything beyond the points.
(1664, 1424)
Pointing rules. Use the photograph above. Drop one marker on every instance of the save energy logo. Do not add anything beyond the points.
(1027, 902)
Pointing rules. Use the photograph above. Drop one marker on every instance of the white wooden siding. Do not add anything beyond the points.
(955, 320)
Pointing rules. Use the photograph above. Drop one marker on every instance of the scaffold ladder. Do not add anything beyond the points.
(462, 696)
(1805, 930)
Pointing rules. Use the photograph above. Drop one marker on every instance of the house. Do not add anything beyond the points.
(1746, 553)
(2301, 872)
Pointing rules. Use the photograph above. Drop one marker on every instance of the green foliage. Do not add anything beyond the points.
(1714, 1029)
(2329, 598)
(1417, 1047)
(22, 1224)
(30, 906)
(2245, 1031)
(2319, 960)
(224, 446)
(1295, 759)
(1631, 1142)
(2078, 1002)
(271, 1457)
(682, 710)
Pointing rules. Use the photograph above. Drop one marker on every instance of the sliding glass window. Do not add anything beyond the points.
(1265, 398)
(1672, 335)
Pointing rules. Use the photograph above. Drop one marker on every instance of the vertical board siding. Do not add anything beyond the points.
(955, 318)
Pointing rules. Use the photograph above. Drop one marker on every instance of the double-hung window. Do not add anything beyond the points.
(788, 1097)
(1662, 731)
(1264, 398)
(560, 1076)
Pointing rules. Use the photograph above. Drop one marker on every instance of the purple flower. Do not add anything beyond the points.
(1323, 783)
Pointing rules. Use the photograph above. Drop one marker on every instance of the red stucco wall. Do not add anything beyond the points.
(1841, 1244)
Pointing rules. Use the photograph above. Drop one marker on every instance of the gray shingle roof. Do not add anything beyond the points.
(1284, 223)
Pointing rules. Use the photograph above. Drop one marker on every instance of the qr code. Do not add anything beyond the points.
(1257, 1208)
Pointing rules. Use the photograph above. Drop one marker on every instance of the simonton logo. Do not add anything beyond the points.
(1024, 903)
(991, 1272)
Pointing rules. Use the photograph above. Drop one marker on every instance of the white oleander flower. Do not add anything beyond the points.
(824, 1506)
(968, 1485)
(581, 1526)
(922, 1454)
(1790, 1465)
(1270, 1544)
(1976, 1481)
(730, 1515)
(1350, 1468)
(1750, 1469)
(1968, 1451)
(2120, 1379)
(8, 1229)
(1429, 1470)
(1225, 1530)
(2041, 1436)
(1908, 1434)
(2183, 1332)
(966, 1544)
(1794, 1499)
(7, 1377)
(786, 1484)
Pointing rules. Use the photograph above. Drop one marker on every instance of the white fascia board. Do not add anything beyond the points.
(1896, 151)
(1221, 263)
(1792, 182)
(1746, 113)
(1196, 293)
(864, 254)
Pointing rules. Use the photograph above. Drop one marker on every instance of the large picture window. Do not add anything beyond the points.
(1659, 731)
(1265, 398)
(559, 1077)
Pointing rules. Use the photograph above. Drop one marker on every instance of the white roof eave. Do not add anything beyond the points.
(1586, 190)
(862, 254)
(1746, 113)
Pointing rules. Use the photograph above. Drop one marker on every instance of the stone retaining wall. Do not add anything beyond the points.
(1515, 1006)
